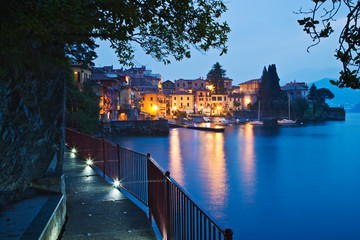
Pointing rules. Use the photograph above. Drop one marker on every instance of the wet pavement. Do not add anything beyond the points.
(97, 210)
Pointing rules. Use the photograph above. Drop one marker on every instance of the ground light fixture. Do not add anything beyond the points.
(89, 162)
(73, 150)
(116, 183)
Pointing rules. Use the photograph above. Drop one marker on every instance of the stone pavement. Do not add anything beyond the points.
(96, 210)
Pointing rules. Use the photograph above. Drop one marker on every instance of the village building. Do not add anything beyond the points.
(219, 103)
(190, 85)
(250, 90)
(153, 103)
(236, 101)
(295, 90)
(202, 97)
(168, 87)
(81, 75)
(182, 101)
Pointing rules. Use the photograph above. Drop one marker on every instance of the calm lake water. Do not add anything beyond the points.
(268, 183)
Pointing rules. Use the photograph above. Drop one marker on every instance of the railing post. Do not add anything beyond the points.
(118, 155)
(228, 234)
(103, 145)
(167, 175)
(148, 182)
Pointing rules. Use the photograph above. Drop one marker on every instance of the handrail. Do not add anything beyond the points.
(176, 215)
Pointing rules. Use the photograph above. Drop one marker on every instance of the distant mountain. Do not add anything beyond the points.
(343, 96)
(310, 75)
(356, 108)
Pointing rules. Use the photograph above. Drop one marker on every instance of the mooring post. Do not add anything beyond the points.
(228, 234)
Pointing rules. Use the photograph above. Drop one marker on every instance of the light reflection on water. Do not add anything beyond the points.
(213, 166)
(175, 165)
(247, 166)
(278, 183)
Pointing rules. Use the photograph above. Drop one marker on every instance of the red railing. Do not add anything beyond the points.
(175, 214)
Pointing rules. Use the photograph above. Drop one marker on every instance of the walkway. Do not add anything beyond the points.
(97, 210)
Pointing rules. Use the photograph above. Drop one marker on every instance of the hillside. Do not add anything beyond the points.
(355, 109)
(343, 96)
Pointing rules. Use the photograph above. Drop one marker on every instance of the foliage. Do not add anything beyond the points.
(318, 24)
(216, 78)
(162, 28)
(300, 108)
(180, 114)
(273, 99)
(320, 95)
(88, 108)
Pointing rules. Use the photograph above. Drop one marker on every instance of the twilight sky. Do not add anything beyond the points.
(263, 32)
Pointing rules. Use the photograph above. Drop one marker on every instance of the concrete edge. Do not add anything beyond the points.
(50, 220)
(54, 226)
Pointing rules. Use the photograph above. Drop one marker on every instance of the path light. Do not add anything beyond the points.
(116, 183)
(89, 162)
(73, 150)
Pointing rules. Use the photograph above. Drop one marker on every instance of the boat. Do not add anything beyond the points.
(222, 121)
(257, 122)
(287, 120)
(206, 119)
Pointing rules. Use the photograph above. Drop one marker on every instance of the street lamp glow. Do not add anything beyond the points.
(116, 183)
(73, 150)
(89, 162)
(154, 107)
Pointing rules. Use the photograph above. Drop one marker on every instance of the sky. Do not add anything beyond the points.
(263, 32)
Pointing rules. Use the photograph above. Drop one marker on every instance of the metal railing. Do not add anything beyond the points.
(176, 215)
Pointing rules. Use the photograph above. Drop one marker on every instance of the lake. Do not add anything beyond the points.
(293, 182)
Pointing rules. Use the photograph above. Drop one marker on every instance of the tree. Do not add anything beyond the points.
(40, 40)
(88, 107)
(273, 99)
(318, 24)
(320, 94)
(216, 78)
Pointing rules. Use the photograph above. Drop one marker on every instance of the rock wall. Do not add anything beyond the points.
(31, 129)
(336, 114)
(139, 128)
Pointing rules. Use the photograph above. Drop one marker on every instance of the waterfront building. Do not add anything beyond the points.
(295, 90)
(109, 96)
(202, 97)
(235, 101)
(153, 103)
(129, 106)
(219, 103)
(182, 101)
(250, 90)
